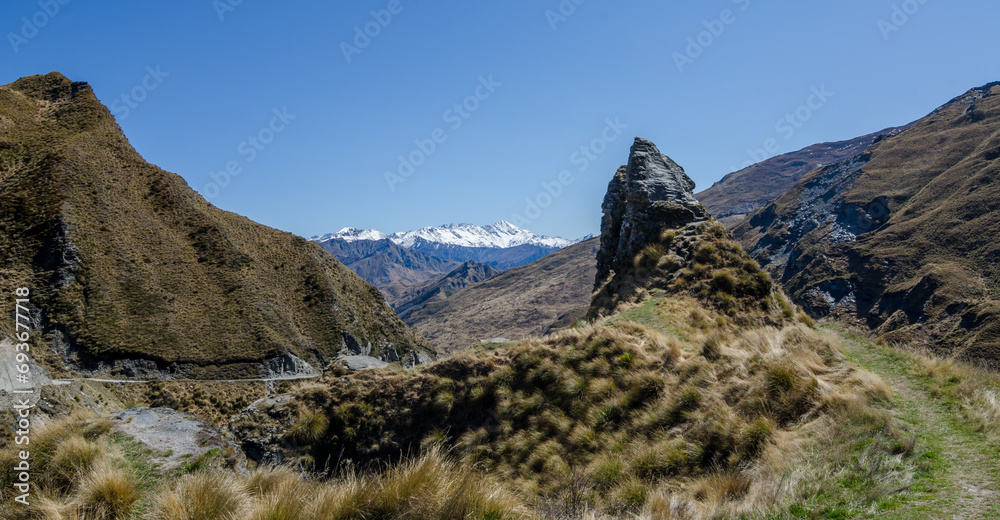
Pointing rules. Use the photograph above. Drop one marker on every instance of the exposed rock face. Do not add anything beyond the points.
(648, 196)
(901, 238)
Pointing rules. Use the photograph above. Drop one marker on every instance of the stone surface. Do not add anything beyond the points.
(177, 438)
(648, 196)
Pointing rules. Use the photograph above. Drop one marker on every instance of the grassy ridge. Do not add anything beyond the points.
(127, 261)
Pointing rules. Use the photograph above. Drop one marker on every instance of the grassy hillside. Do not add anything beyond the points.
(653, 410)
(903, 237)
(518, 303)
(126, 261)
(465, 275)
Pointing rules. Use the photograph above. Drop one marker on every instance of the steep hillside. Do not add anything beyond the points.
(521, 302)
(469, 273)
(903, 237)
(741, 192)
(131, 271)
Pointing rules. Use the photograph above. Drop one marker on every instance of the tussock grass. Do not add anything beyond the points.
(974, 391)
(309, 428)
(428, 486)
(626, 418)
(203, 496)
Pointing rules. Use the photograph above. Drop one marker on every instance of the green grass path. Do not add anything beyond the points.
(962, 477)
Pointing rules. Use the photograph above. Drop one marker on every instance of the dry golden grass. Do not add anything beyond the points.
(202, 497)
(975, 391)
(104, 486)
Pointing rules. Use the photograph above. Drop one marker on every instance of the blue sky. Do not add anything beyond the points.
(325, 114)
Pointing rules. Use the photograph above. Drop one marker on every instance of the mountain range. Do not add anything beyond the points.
(501, 235)
(403, 264)
(660, 370)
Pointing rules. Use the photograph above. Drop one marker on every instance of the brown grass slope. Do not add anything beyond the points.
(741, 192)
(902, 238)
(518, 303)
(125, 260)
(465, 275)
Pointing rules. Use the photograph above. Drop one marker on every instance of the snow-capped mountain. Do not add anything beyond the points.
(349, 234)
(409, 256)
(501, 235)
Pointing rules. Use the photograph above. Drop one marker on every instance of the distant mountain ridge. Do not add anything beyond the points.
(503, 234)
(743, 191)
(382, 262)
(398, 263)
(469, 273)
(524, 301)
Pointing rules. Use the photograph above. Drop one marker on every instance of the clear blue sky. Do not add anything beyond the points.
(326, 168)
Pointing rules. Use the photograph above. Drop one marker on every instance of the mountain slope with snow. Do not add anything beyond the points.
(502, 235)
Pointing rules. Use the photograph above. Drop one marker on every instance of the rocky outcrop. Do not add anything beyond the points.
(648, 196)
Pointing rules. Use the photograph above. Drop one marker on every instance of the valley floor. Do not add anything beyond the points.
(961, 480)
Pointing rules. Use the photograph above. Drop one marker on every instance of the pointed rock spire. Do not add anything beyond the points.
(645, 198)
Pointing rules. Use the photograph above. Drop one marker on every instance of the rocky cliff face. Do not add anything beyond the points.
(649, 195)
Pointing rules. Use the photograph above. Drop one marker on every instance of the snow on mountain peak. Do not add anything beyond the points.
(500, 235)
(349, 234)
(503, 234)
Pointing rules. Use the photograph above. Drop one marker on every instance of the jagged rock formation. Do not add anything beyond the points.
(655, 236)
(646, 197)
(133, 274)
(901, 238)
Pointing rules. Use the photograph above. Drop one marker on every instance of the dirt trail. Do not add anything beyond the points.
(965, 481)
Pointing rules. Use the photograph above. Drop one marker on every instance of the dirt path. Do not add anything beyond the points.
(59, 382)
(963, 477)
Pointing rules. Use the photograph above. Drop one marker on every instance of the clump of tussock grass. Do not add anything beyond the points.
(109, 492)
(202, 496)
(309, 428)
